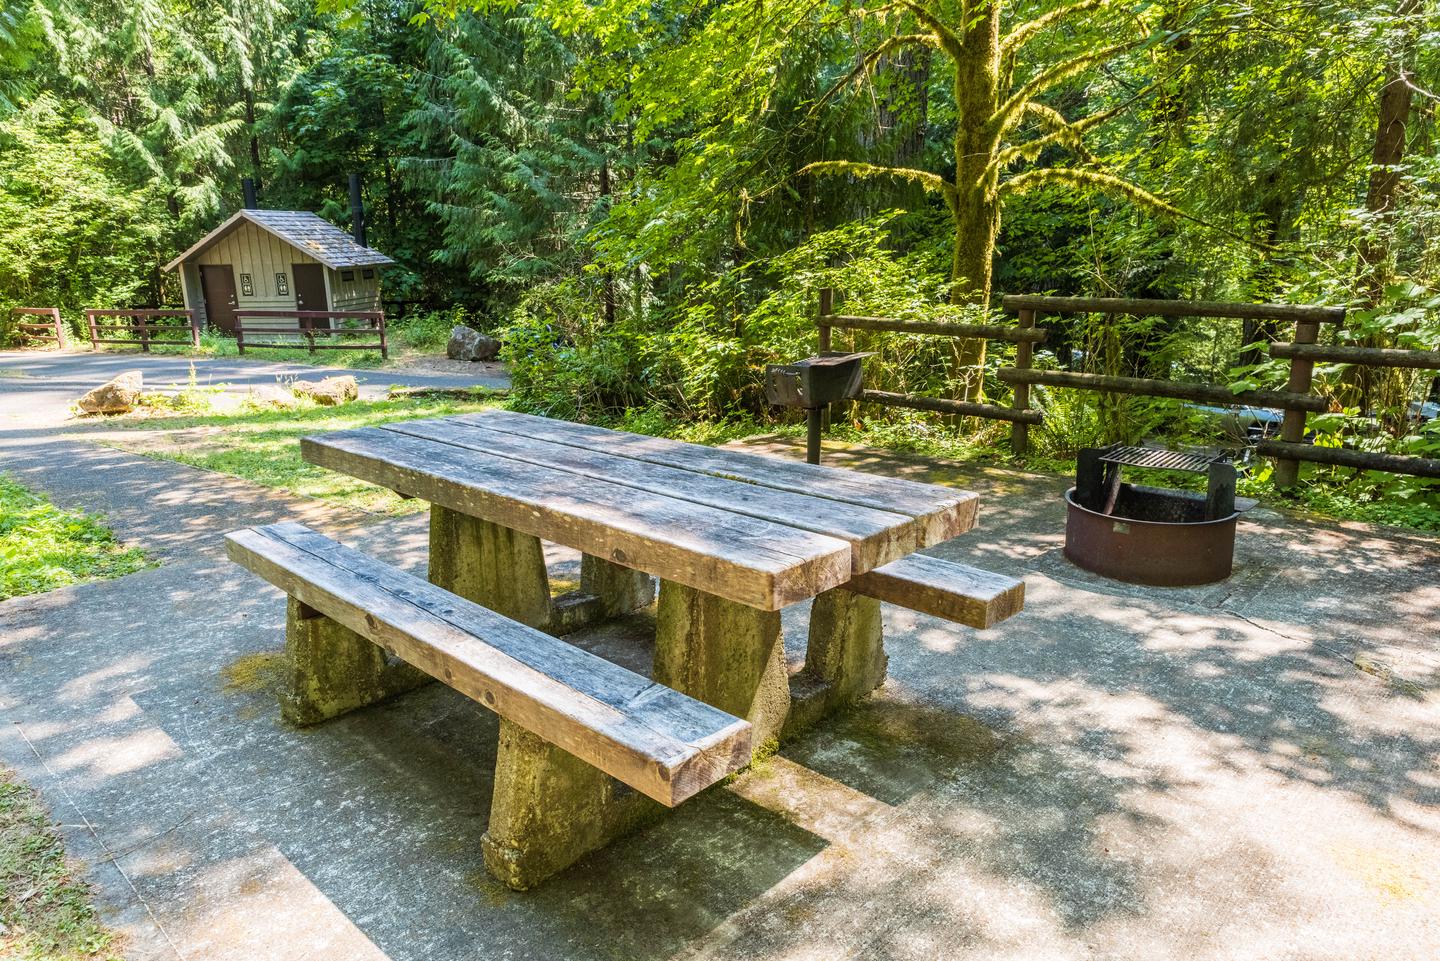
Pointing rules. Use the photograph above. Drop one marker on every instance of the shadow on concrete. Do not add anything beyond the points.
(1117, 772)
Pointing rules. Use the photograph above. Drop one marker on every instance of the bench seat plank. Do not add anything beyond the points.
(876, 537)
(933, 585)
(657, 740)
(744, 559)
(943, 513)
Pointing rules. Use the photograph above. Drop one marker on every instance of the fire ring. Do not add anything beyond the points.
(1151, 535)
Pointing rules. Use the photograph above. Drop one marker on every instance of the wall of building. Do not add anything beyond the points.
(359, 292)
(190, 287)
(259, 253)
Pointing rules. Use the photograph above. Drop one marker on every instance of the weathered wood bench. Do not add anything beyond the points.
(946, 589)
(574, 726)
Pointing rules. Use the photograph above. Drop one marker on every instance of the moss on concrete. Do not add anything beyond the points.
(262, 672)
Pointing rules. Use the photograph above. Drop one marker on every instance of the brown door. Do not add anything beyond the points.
(310, 290)
(217, 284)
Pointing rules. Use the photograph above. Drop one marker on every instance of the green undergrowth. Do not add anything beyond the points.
(263, 446)
(43, 547)
(45, 909)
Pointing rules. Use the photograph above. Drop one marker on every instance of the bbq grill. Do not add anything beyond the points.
(814, 384)
(1152, 535)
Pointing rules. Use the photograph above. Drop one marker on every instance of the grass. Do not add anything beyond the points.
(218, 345)
(263, 446)
(45, 908)
(43, 547)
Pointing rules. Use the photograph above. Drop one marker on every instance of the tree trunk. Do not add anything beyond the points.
(1396, 98)
(977, 208)
(1369, 387)
(254, 138)
(608, 280)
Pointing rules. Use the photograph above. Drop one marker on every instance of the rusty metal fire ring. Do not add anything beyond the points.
(1154, 552)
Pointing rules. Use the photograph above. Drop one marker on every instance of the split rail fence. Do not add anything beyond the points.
(275, 324)
(1296, 400)
(52, 330)
(143, 328)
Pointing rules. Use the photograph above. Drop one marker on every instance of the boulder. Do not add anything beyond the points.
(328, 392)
(117, 396)
(466, 343)
(271, 395)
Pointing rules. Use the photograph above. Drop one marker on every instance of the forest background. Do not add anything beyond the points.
(644, 199)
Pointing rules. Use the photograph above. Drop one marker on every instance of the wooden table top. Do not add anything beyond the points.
(759, 530)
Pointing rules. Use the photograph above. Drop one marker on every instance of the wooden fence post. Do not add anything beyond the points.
(827, 307)
(194, 329)
(380, 323)
(90, 321)
(1019, 430)
(1292, 429)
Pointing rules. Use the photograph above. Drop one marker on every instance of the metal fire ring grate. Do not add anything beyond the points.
(1155, 457)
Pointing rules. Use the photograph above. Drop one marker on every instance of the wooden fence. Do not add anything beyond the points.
(52, 330)
(1296, 400)
(142, 328)
(306, 327)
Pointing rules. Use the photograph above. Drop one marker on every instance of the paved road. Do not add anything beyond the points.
(31, 380)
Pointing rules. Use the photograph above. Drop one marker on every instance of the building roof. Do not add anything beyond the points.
(306, 232)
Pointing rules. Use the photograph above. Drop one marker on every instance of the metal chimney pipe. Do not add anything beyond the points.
(357, 211)
(248, 186)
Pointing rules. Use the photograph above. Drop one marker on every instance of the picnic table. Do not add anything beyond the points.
(731, 537)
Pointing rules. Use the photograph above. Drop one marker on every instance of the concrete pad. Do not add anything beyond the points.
(1250, 770)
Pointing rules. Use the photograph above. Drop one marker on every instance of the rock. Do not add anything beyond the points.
(271, 395)
(118, 396)
(329, 392)
(466, 343)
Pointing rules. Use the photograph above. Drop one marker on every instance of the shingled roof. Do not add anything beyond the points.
(306, 232)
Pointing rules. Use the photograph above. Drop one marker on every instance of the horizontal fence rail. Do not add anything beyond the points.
(1144, 307)
(1360, 356)
(50, 330)
(1276, 399)
(305, 326)
(1296, 400)
(142, 328)
(938, 328)
(943, 405)
(1345, 457)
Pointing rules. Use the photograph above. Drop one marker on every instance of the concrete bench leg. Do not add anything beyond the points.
(333, 670)
(550, 809)
(844, 658)
(725, 654)
(491, 565)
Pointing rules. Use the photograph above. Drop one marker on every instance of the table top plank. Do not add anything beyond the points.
(942, 512)
(876, 537)
(741, 558)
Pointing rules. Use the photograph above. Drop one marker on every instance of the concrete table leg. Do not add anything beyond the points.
(844, 659)
(550, 809)
(333, 670)
(491, 565)
(725, 654)
(504, 570)
(620, 590)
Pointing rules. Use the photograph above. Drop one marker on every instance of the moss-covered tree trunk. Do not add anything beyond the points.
(976, 208)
